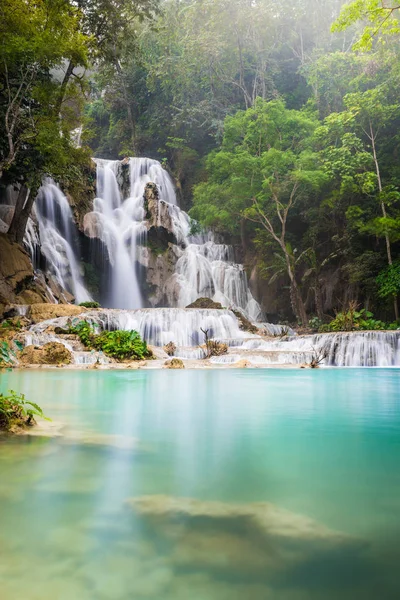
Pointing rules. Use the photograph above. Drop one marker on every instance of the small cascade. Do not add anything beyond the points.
(355, 349)
(159, 326)
(57, 240)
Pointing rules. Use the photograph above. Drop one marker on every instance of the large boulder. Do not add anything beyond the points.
(16, 275)
(52, 353)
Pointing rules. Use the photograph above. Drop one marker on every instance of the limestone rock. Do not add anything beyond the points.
(16, 273)
(157, 352)
(44, 312)
(175, 363)
(52, 353)
(93, 225)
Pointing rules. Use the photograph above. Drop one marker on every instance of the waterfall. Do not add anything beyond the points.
(204, 268)
(58, 240)
(120, 222)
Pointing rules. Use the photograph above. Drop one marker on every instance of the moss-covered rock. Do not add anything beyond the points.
(205, 303)
(244, 323)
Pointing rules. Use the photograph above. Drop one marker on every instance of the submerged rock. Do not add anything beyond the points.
(175, 363)
(52, 353)
(251, 540)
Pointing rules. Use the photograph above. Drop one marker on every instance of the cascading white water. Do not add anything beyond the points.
(355, 349)
(57, 240)
(120, 225)
(120, 221)
(159, 326)
(204, 268)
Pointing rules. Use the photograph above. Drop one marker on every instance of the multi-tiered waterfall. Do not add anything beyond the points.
(153, 266)
(201, 266)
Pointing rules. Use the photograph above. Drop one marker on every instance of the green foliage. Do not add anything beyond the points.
(16, 410)
(84, 331)
(388, 281)
(315, 323)
(11, 324)
(381, 18)
(121, 345)
(356, 320)
(7, 355)
(90, 304)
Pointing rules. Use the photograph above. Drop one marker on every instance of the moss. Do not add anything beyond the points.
(244, 323)
(205, 303)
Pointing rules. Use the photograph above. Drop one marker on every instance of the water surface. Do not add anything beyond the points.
(321, 445)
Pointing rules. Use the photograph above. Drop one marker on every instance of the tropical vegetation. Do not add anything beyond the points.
(278, 121)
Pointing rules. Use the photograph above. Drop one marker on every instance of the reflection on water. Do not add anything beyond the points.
(293, 474)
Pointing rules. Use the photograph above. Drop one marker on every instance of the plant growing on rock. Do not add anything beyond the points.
(213, 347)
(121, 345)
(16, 411)
(118, 344)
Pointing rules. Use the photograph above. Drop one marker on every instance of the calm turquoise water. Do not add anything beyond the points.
(323, 445)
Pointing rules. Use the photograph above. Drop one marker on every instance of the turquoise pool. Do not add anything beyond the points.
(294, 476)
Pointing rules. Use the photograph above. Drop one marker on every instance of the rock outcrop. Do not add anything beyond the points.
(44, 312)
(160, 230)
(17, 284)
(52, 353)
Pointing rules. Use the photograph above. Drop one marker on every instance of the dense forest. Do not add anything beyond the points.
(278, 121)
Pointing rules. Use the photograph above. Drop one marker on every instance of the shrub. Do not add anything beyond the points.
(315, 323)
(84, 330)
(89, 304)
(117, 344)
(356, 320)
(16, 411)
(121, 345)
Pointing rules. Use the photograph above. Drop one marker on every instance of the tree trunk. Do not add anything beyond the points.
(295, 295)
(63, 88)
(23, 208)
(318, 300)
